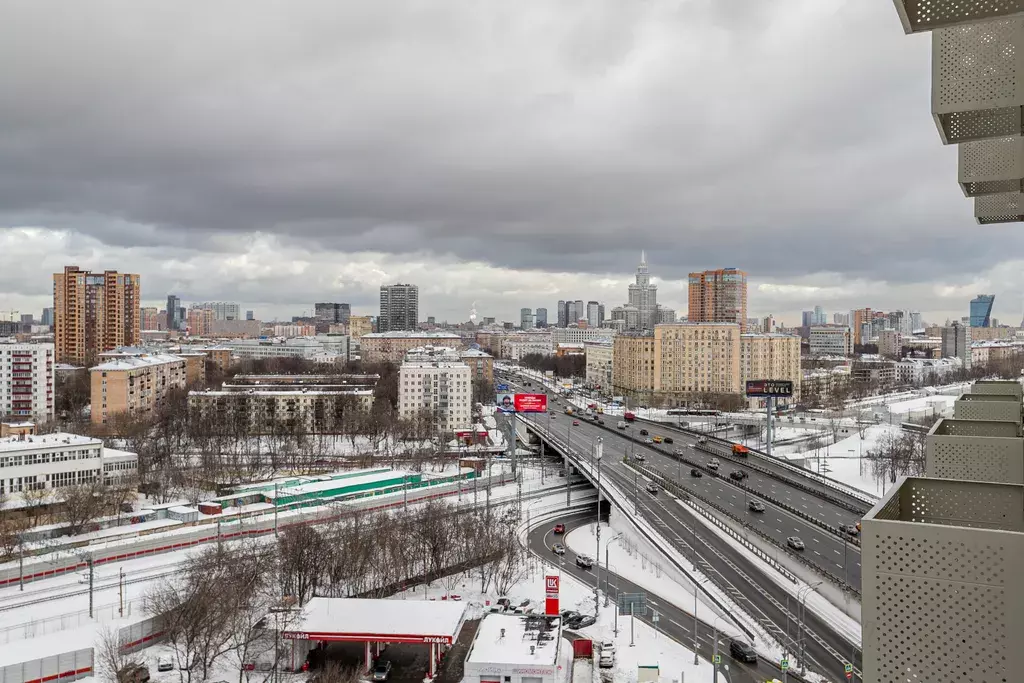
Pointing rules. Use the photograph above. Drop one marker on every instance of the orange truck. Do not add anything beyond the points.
(740, 449)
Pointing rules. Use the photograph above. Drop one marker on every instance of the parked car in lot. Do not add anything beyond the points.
(164, 663)
(696, 473)
(558, 549)
(569, 615)
(382, 671)
(652, 488)
(584, 621)
(742, 652)
(795, 543)
(559, 529)
(584, 562)
(756, 506)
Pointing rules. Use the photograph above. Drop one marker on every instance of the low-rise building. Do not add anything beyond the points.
(359, 326)
(435, 383)
(391, 347)
(134, 384)
(574, 334)
(481, 365)
(26, 381)
(52, 461)
(516, 648)
(519, 344)
(830, 340)
(925, 371)
(269, 404)
(299, 347)
(874, 370)
(890, 343)
(600, 364)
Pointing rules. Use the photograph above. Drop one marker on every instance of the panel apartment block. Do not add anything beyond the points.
(942, 597)
(987, 407)
(918, 16)
(975, 450)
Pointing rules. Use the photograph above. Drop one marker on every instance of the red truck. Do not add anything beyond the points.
(628, 416)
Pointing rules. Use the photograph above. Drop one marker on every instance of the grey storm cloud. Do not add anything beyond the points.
(785, 137)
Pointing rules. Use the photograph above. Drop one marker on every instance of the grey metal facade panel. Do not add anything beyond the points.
(998, 386)
(918, 16)
(999, 208)
(999, 407)
(941, 597)
(991, 166)
(975, 450)
(978, 80)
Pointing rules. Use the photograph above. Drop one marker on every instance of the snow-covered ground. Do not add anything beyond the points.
(845, 461)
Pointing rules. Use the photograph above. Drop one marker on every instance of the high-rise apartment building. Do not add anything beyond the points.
(333, 312)
(94, 312)
(150, 318)
(981, 310)
(858, 319)
(200, 321)
(691, 359)
(644, 296)
(718, 296)
(956, 343)
(594, 314)
(890, 343)
(541, 317)
(562, 313)
(222, 310)
(174, 317)
(399, 308)
(633, 366)
(26, 381)
(841, 319)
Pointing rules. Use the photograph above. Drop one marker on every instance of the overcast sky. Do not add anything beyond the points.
(504, 153)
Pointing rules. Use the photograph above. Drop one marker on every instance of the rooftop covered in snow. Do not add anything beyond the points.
(516, 639)
(395, 621)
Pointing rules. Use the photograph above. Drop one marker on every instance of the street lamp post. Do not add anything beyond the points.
(802, 600)
(598, 454)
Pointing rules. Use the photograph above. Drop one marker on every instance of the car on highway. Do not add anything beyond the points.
(600, 421)
(639, 457)
(652, 488)
(852, 529)
(575, 423)
(648, 440)
(559, 529)
(712, 464)
(558, 549)
(696, 473)
(584, 561)
(643, 432)
(743, 652)
(657, 439)
(553, 416)
(795, 543)
(756, 506)
(702, 440)
(382, 671)
(738, 475)
(668, 439)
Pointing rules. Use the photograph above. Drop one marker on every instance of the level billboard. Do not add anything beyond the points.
(769, 388)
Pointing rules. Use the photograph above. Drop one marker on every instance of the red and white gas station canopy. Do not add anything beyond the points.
(392, 621)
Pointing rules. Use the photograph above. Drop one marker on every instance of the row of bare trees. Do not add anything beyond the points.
(898, 453)
(216, 606)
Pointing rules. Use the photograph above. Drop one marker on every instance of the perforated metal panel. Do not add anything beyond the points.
(992, 166)
(926, 15)
(975, 450)
(978, 80)
(999, 208)
(942, 601)
(998, 386)
(987, 407)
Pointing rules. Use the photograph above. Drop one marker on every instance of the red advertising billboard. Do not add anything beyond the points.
(551, 596)
(531, 403)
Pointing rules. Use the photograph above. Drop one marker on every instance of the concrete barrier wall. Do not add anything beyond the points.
(142, 634)
(68, 666)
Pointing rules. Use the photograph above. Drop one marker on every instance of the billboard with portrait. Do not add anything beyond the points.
(506, 402)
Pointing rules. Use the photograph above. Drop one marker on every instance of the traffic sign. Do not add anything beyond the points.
(849, 675)
(656, 618)
(716, 659)
(785, 664)
(848, 668)
(633, 603)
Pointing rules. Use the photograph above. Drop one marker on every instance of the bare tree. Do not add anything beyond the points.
(304, 555)
(110, 655)
(81, 504)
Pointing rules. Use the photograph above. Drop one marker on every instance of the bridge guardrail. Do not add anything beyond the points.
(832, 529)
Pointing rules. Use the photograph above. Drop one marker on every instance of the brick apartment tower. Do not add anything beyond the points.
(94, 312)
(718, 296)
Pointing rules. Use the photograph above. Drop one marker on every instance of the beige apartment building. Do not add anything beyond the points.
(135, 384)
(359, 325)
(718, 296)
(696, 358)
(770, 356)
(391, 347)
(633, 364)
(94, 312)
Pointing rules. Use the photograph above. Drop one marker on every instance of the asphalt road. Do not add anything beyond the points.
(673, 621)
(829, 551)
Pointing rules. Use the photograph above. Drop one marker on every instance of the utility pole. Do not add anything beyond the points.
(120, 592)
(275, 509)
(598, 453)
(88, 561)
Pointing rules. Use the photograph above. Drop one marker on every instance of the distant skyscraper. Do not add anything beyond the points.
(600, 315)
(563, 318)
(571, 316)
(841, 318)
(27, 319)
(542, 317)
(222, 310)
(981, 310)
(174, 318)
(332, 312)
(525, 318)
(819, 316)
(581, 311)
(399, 308)
(94, 312)
(593, 314)
(47, 318)
(718, 296)
(643, 296)
(807, 319)
(956, 343)
(250, 315)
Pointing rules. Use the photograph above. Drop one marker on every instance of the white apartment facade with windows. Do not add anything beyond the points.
(438, 383)
(830, 340)
(600, 363)
(580, 335)
(53, 461)
(26, 381)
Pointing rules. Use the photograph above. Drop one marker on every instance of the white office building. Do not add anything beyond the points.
(581, 335)
(52, 461)
(26, 381)
(335, 345)
(435, 381)
(831, 340)
(222, 310)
